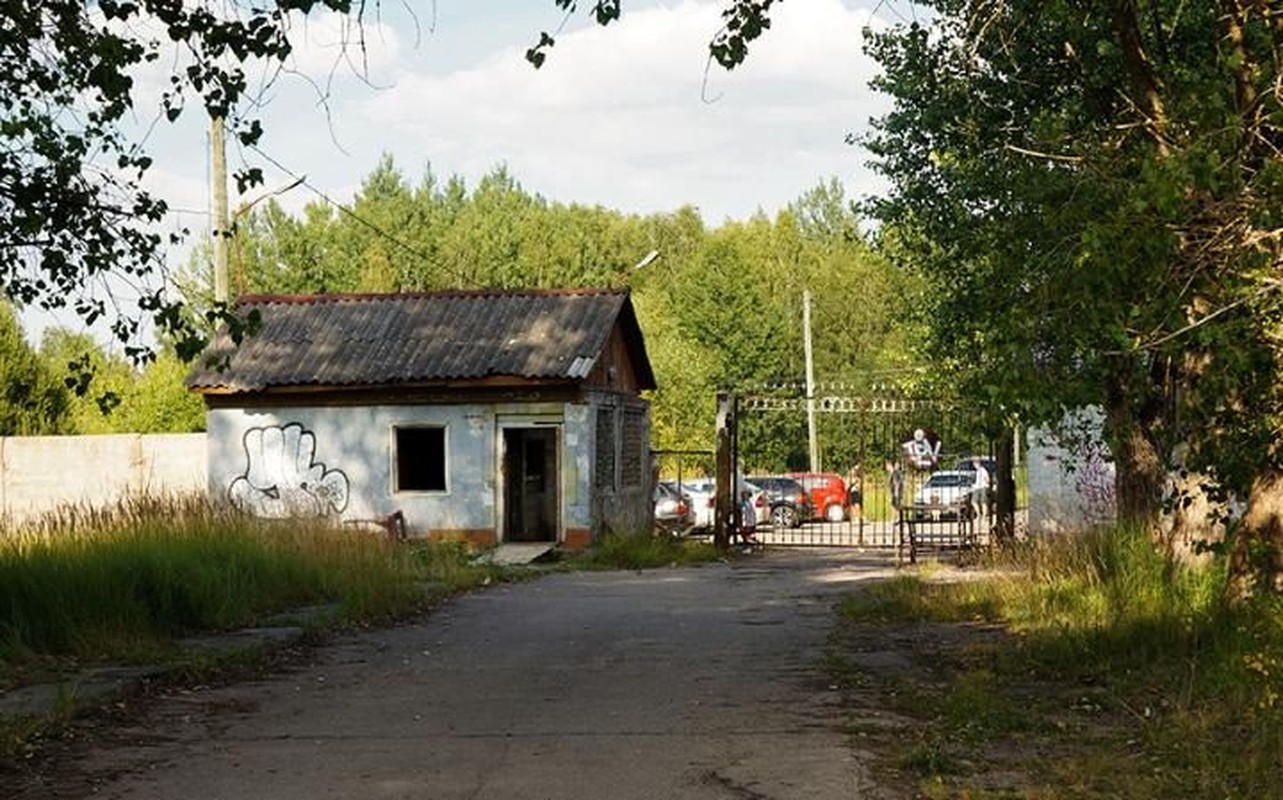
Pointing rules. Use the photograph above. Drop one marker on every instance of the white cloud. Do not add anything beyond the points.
(327, 43)
(628, 115)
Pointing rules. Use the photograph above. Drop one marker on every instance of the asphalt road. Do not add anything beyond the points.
(697, 683)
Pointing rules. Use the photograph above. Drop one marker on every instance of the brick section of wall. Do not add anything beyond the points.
(577, 539)
(473, 538)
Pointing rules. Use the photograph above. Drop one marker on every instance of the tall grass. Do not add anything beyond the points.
(123, 583)
(646, 550)
(1194, 688)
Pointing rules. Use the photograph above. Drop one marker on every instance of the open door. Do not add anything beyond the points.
(530, 484)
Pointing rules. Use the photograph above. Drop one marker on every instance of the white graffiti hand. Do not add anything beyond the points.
(282, 480)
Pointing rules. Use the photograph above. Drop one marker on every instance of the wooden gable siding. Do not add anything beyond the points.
(614, 369)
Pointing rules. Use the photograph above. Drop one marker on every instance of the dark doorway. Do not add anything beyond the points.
(530, 484)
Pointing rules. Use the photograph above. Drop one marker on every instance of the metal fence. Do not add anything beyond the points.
(911, 473)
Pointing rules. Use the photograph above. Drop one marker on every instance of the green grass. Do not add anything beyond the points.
(1098, 670)
(121, 586)
(645, 551)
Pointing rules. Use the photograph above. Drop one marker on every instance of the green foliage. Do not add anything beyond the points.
(34, 400)
(159, 402)
(121, 584)
(720, 308)
(71, 179)
(646, 551)
(1108, 656)
(1088, 193)
(110, 396)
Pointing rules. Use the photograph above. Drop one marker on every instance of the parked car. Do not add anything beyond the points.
(703, 494)
(673, 512)
(790, 503)
(949, 494)
(828, 493)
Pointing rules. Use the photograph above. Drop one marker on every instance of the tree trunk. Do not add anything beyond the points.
(1256, 561)
(1139, 477)
(1140, 468)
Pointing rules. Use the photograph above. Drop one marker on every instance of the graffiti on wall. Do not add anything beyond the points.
(282, 479)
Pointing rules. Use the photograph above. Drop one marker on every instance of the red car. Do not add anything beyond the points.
(828, 493)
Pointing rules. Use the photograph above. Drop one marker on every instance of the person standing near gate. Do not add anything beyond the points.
(854, 493)
(748, 520)
(895, 482)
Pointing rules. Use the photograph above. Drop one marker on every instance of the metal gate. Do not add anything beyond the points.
(849, 471)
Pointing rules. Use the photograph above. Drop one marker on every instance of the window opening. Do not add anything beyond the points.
(420, 459)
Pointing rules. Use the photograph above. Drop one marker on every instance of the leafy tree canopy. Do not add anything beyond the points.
(70, 178)
(33, 400)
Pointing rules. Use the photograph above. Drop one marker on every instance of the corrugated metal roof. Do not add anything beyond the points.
(346, 340)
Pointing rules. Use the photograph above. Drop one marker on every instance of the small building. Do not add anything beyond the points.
(486, 417)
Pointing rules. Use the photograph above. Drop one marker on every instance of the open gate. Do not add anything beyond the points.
(851, 471)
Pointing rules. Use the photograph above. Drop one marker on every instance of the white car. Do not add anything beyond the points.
(703, 494)
(950, 493)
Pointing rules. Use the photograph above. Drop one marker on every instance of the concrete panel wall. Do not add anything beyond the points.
(1070, 475)
(40, 473)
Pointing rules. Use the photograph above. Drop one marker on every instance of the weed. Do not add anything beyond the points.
(646, 551)
(1117, 675)
(94, 586)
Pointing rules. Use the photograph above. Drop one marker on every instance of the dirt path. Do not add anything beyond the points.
(692, 683)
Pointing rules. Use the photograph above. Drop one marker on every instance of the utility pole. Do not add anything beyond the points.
(218, 222)
(812, 440)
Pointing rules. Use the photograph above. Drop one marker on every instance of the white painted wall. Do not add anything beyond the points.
(1070, 475)
(345, 456)
(40, 473)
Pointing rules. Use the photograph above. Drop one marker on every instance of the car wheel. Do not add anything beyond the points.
(784, 517)
(835, 513)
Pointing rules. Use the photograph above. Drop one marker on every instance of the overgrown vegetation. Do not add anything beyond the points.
(1084, 667)
(122, 585)
(646, 551)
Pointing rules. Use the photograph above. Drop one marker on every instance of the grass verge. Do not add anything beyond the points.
(645, 551)
(121, 587)
(1080, 667)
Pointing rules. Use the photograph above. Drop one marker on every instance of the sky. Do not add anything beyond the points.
(630, 116)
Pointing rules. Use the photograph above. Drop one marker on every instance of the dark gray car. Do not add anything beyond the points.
(790, 502)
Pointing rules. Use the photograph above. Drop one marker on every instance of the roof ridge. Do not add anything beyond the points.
(342, 297)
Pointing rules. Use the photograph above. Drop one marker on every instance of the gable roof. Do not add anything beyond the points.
(388, 339)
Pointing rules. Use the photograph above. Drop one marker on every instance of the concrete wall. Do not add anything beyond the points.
(1070, 475)
(40, 473)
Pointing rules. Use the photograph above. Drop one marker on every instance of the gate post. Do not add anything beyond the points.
(726, 506)
(1005, 500)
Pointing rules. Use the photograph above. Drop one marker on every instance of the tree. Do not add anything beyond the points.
(70, 177)
(1092, 190)
(110, 395)
(99, 382)
(33, 401)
